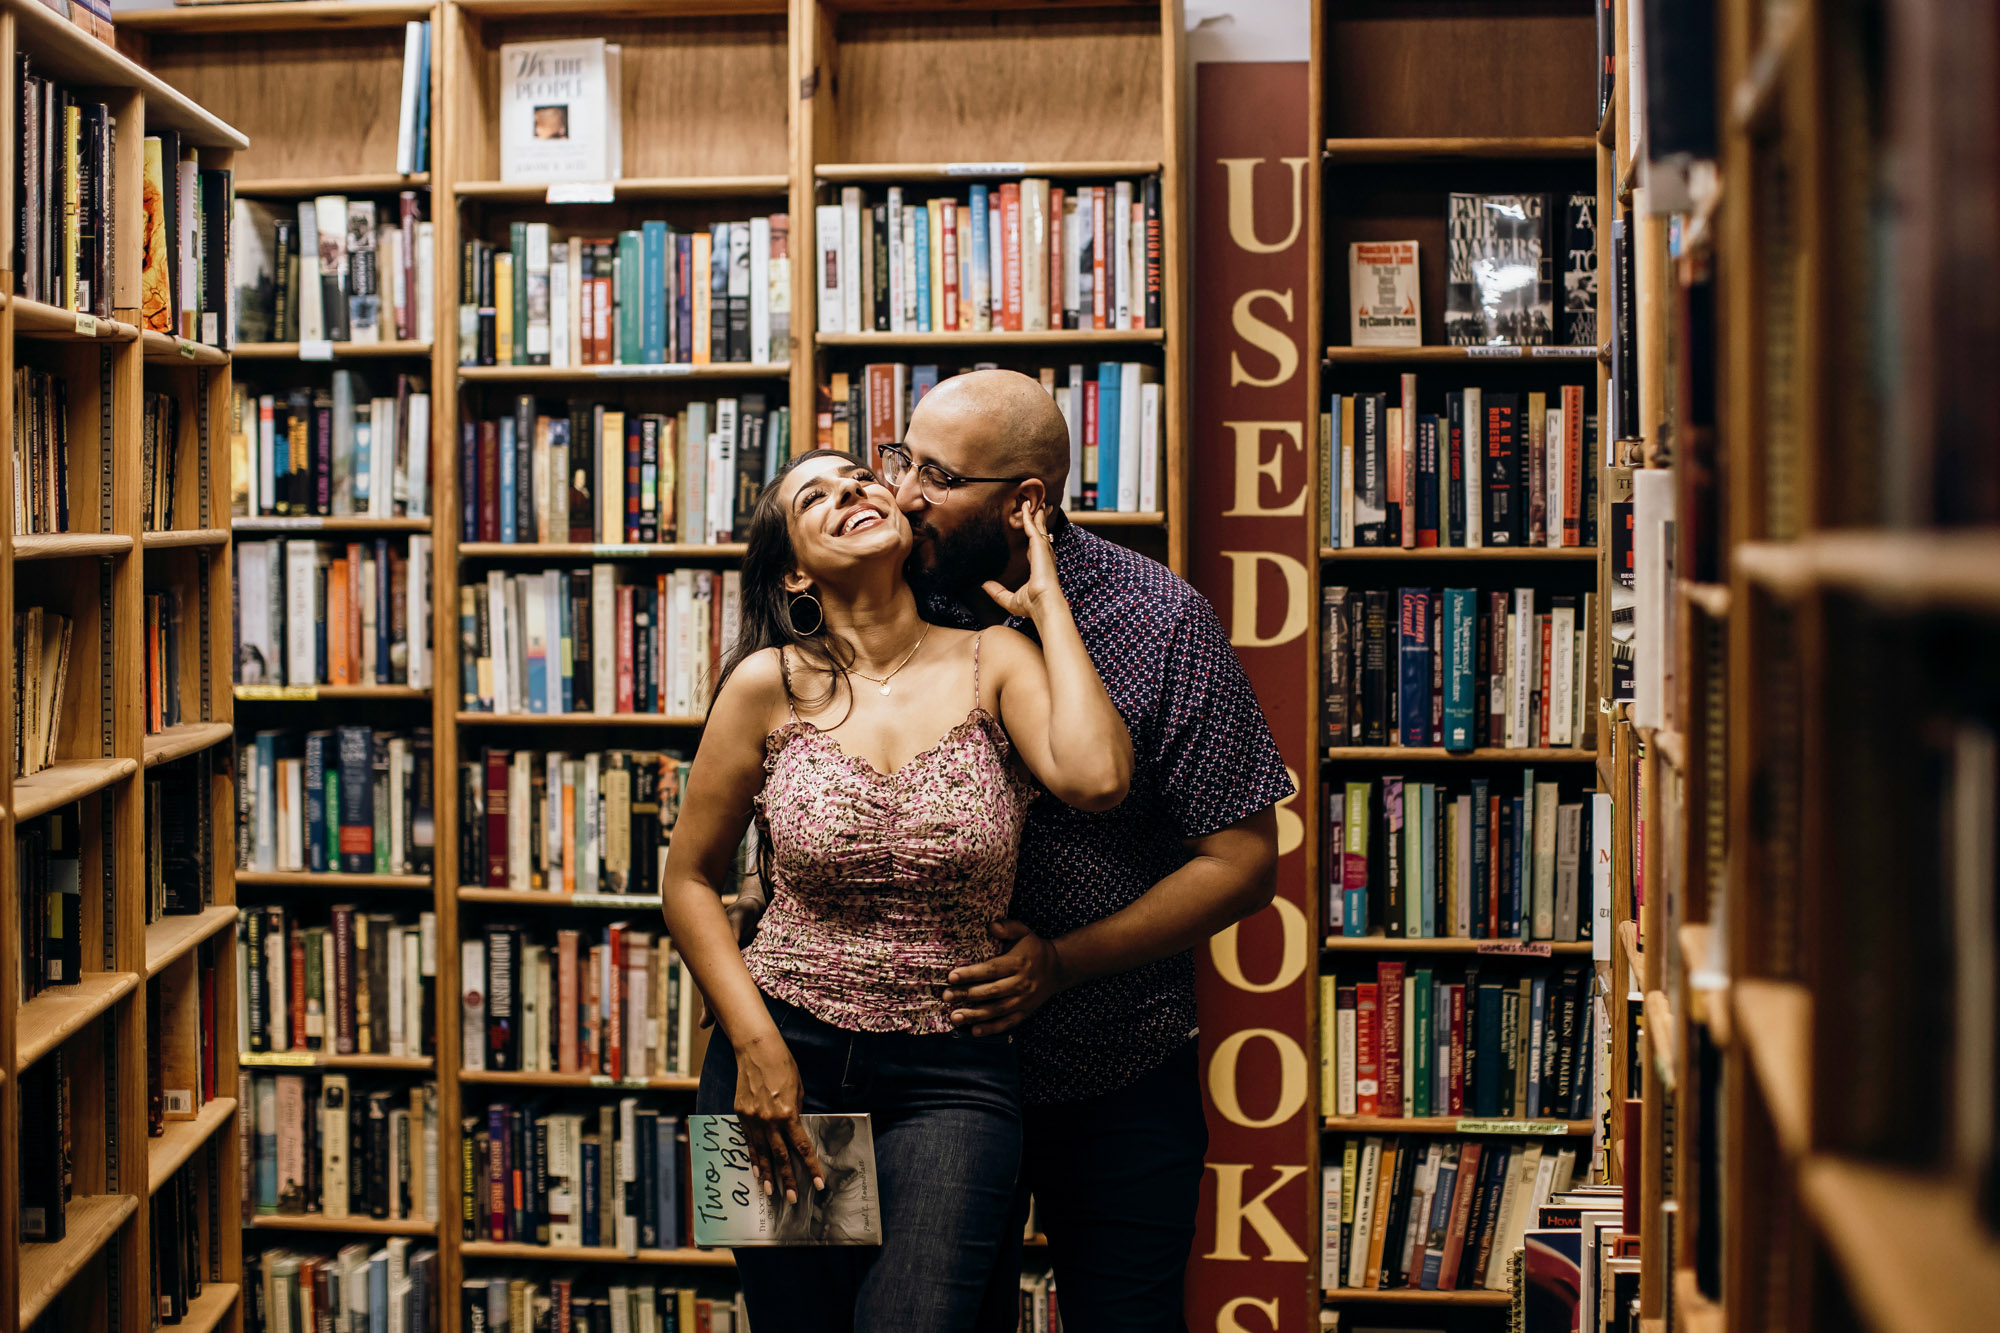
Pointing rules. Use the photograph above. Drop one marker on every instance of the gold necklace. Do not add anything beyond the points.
(883, 681)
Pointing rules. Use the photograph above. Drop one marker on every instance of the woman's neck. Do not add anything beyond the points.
(878, 619)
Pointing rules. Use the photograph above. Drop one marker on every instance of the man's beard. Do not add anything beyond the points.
(948, 564)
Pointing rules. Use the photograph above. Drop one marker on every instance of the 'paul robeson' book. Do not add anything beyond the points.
(559, 111)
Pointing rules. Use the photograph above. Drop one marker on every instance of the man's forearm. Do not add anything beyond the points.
(1213, 890)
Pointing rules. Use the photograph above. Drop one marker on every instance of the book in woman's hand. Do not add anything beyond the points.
(731, 1208)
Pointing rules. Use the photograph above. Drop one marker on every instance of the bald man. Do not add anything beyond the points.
(1096, 969)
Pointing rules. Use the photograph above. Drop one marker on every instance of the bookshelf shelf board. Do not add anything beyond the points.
(356, 1226)
(1405, 1296)
(546, 1079)
(1380, 943)
(601, 550)
(305, 187)
(1345, 554)
(714, 370)
(1039, 338)
(65, 52)
(90, 1221)
(70, 780)
(469, 893)
(202, 19)
(1503, 356)
(1774, 1019)
(209, 1309)
(1628, 943)
(1932, 571)
(1414, 753)
(596, 1254)
(1915, 1255)
(307, 879)
(58, 1013)
(279, 526)
(1662, 1037)
(895, 173)
(171, 936)
(341, 351)
(1117, 518)
(309, 693)
(631, 9)
(469, 719)
(179, 538)
(164, 348)
(165, 1154)
(37, 319)
(1453, 1124)
(635, 187)
(70, 545)
(1580, 147)
(412, 1064)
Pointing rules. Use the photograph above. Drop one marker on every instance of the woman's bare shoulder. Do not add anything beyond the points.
(755, 691)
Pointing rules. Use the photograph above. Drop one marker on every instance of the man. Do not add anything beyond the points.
(1098, 968)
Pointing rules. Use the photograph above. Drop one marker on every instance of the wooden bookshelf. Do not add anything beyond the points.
(98, 574)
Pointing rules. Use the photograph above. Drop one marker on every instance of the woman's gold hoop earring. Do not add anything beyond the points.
(819, 615)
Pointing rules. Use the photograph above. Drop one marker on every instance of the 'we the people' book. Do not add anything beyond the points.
(731, 1208)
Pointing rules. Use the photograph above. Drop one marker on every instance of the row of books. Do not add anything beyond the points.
(1490, 469)
(564, 822)
(616, 1001)
(1411, 1040)
(567, 1305)
(339, 450)
(47, 1148)
(359, 1289)
(589, 641)
(335, 269)
(598, 473)
(1020, 256)
(159, 461)
(318, 1146)
(1114, 411)
(48, 869)
(165, 624)
(1432, 1214)
(1457, 667)
(181, 1073)
(64, 151)
(178, 1257)
(365, 983)
(355, 799)
(41, 664)
(186, 246)
(652, 295)
(1474, 863)
(41, 452)
(314, 612)
(612, 1175)
(180, 831)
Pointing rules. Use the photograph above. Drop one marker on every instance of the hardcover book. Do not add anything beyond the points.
(731, 1208)
(1497, 287)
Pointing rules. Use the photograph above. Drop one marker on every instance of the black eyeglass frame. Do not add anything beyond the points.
(950, 481)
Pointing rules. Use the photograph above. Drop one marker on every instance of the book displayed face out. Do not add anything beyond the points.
(559, 114)
(731, 1208)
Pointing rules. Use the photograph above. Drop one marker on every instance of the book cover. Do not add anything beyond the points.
(559, 112)
(730, 1209)
(1579, 297)
(1382, 294)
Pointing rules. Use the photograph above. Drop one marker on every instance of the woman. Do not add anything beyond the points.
(875, 751)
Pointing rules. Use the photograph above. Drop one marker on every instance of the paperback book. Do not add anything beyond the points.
(731, 1208)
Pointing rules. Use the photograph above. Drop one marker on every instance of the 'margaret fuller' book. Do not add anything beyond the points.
(559, 111)
(731, 1208)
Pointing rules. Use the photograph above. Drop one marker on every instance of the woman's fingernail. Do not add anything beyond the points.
(818, 1184)
(791, 1196)
(768, 1191)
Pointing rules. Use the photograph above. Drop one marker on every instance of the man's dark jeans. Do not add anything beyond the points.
(1116, 1181)
(946, 1114)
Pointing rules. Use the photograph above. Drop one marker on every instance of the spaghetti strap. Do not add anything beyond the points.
(975, 666)
(785, 674)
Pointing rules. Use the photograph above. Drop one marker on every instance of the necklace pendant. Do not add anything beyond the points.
(885, 687)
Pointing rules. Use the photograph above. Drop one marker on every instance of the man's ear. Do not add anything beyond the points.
(1031, 491)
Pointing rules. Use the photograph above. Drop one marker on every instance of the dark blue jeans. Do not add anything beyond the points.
(1116, 1181)
(946, 1113)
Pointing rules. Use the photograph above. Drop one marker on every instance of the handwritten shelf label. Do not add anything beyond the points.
(1564, 353)
(985, 168)
(316, 349)
(1549, 1128)
(1493, 352)
(186, 349)
(582, 192)
(86, 326)
(287, 693)
(1514, 948)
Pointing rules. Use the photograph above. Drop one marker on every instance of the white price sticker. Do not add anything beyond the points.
(187, 349)
(582, 192)
(644, 371)
(86, 326)
(316, 349)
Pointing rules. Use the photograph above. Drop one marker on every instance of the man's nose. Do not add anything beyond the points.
(909, 495)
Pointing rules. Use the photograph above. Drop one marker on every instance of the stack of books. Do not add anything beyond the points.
(48, 859)
(184, 284)
(361, 984)
(333, 613)
(354, 799)
(47, 1148)
(180, 1039)
(41, 665)
(41, 452)
(180, 830)
(593, 1307)
(393, 1286)
(335, 451)
(612, 1175)
(556, 822)
(179, 1256)
(322, 1147)
(335, 269)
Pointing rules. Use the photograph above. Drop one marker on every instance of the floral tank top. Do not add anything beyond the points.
(884, 882)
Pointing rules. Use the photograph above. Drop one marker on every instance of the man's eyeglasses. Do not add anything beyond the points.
(935, 483)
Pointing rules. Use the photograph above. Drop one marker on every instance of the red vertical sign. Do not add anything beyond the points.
(1252, 448)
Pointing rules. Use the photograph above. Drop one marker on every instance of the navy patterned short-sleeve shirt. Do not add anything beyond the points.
(1203, 760)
